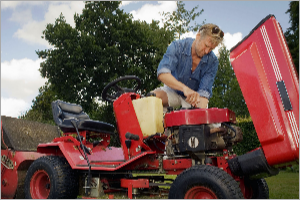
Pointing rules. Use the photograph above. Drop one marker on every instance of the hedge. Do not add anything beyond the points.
(250, 139)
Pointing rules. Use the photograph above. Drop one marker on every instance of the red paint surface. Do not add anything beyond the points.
(257, 77)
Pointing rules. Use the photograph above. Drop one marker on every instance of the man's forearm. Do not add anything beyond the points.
(171, 81)
(191, 95)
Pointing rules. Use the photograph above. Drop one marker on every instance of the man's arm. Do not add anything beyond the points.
(206, 83)
(192, 97)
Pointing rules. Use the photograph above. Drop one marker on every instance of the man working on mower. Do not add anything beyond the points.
(188, 69)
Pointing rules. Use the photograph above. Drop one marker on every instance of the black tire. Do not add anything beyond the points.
(53, 173)
(256, 189)
(202, 181)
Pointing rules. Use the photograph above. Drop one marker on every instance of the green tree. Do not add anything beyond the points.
(179, 21)
(292, 33)
(105, 44)
(226, 90)
(41, 108)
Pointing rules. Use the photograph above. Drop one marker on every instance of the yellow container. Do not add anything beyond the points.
(149, 111)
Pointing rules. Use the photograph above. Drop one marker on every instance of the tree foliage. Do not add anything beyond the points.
(179, 21)
(105, 44)
(226, 90)
(41, 106)
(292, 33)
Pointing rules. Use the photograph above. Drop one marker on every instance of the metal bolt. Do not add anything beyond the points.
(4, 182)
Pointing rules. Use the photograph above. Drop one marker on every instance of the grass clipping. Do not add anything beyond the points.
(24, 135)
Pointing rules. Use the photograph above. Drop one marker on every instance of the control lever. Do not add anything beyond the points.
(128, 144)
(132, 136)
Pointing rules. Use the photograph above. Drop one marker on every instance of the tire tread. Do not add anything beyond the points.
(64, 184)
(229, 186)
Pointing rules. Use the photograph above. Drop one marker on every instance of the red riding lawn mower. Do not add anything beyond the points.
(195, 144)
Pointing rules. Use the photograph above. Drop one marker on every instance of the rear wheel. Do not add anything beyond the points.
(256, 189)
(50, 177)
(204, 182)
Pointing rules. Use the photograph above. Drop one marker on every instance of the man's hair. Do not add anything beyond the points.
(206, 30)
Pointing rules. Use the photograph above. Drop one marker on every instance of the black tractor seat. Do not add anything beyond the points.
(64, 112)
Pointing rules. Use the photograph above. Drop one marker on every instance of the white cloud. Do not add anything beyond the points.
(21, 16)
(13, 107)
(31, 31)
(20, 79)
(20, 83)
(14, 4)
(10, 4)
(67, 8)
(188, 34)
(230, 40)
(125, 3)
(149, 11)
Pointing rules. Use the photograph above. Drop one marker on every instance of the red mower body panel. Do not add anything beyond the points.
(70, 149)
(127, 122)
(14, 166)
(199, 116)
(266, 74)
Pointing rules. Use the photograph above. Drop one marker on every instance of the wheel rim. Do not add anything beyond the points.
(248, 191)
(200, 192)
(40, 185)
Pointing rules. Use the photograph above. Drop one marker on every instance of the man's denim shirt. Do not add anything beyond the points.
(178, 61)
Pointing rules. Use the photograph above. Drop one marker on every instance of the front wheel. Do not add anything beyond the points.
(205, 182)
(256, 189)
(51, 177)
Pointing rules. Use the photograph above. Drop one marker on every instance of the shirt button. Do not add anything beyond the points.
(190, 79)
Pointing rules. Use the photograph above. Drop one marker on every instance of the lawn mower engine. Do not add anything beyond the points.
(200, 132)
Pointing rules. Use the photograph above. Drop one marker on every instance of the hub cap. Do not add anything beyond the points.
(40, 185)
(200, 192)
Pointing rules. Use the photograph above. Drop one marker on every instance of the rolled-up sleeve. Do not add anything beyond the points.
(170, 61)
(207, 80)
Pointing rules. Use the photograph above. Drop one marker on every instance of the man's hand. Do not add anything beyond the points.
(194, 98)
(203, 102)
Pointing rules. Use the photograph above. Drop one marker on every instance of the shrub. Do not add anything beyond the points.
(250, 139)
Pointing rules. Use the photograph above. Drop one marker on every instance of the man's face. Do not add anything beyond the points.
(203, 45)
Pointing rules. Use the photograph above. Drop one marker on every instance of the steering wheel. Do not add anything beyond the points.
(119, 90)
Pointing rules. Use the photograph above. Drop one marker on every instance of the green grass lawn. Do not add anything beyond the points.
(283, 186)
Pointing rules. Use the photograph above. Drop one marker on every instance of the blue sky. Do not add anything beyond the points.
(22, 23)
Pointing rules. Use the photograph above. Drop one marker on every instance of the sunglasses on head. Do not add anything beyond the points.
(215, 31)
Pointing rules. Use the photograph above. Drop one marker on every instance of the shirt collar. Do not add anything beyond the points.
(205, 57)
